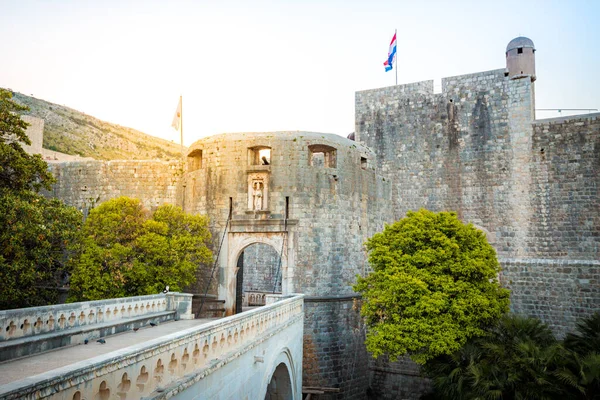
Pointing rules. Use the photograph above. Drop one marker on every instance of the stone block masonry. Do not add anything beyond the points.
(532, 186)
(84, 184)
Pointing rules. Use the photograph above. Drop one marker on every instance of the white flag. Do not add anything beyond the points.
(177, 117)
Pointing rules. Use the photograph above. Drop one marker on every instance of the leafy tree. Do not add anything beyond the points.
(518, 359)
(433, 287)
(37, 235)
(129, 252)
(18, 170)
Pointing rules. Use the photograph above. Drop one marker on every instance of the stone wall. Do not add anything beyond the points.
(84, 184)
(35, 133)
(332, 208)
(396, 380)
(454, 150)
(262, 269)
(565, 190)
(532, 186)
(334, 351)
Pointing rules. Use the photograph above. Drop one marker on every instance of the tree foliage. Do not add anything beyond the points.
(433, 286)
(581, 369)
(37, 235)
(516, 360)
(37, 239)
(128, 252)
(18, 170)
(519, 358)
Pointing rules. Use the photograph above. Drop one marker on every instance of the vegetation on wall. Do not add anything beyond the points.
(128, 251)
(432, 288)
(37, 236)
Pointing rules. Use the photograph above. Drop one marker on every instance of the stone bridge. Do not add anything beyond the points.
(153, 349)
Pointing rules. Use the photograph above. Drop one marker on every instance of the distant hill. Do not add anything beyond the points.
(72, 132)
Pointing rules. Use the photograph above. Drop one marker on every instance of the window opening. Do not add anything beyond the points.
(520, 50)
(363, 162)
(259, 155)
(322, 156)
(287, 207)
(194, 160)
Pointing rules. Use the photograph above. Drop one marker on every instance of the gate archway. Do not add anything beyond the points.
(277, 236)
(258, 274)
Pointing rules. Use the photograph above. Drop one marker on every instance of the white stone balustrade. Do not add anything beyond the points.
(32, 321)
(146, 369)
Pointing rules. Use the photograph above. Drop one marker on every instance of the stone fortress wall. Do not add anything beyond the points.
(334, 201)
(84, 184)
(475, 148)
(532, 186)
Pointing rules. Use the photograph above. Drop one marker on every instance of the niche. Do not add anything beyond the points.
(258, 191)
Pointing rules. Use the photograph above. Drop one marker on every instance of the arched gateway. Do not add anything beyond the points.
(278, 234)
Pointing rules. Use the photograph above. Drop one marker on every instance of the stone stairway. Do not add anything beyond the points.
(212, 308)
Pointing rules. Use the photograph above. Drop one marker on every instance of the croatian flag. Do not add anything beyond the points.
(389, 63)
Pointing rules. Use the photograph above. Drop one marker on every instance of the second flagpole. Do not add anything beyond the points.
(181, 126)
(396, 55)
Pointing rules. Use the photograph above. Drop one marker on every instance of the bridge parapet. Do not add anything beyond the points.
(27, 331)
(170, 363)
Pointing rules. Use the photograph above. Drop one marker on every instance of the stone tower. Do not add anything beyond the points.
(520, 58)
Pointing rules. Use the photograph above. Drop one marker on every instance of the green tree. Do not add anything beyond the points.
(128, 252)
(37, 235)
(517, 359)
(18, 170)
(433, 286)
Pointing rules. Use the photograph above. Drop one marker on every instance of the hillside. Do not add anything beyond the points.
(72, 132)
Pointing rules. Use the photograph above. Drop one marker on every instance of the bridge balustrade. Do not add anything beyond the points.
(27, 331)
(170, 363)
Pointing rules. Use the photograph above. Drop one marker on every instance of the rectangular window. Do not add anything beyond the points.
(259, 155)
(194, 160)
(322, 156)
(363, 162)
(520, 50)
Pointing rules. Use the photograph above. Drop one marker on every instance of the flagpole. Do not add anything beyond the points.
(396, 55)
(182, 153)
(181, 127)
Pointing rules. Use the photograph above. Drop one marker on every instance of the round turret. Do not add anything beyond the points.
(520, 58)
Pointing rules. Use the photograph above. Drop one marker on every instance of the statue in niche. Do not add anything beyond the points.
(257, 195)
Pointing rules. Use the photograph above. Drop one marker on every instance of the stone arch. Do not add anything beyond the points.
(258, 273)
(242, 241)
(245, 233)
(280, 383)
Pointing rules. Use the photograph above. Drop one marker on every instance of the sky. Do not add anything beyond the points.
(249, 66)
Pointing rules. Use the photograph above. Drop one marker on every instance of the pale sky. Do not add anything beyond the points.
(278, 65)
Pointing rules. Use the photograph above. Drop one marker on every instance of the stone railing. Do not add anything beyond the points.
(26, 322)
(147, 368)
